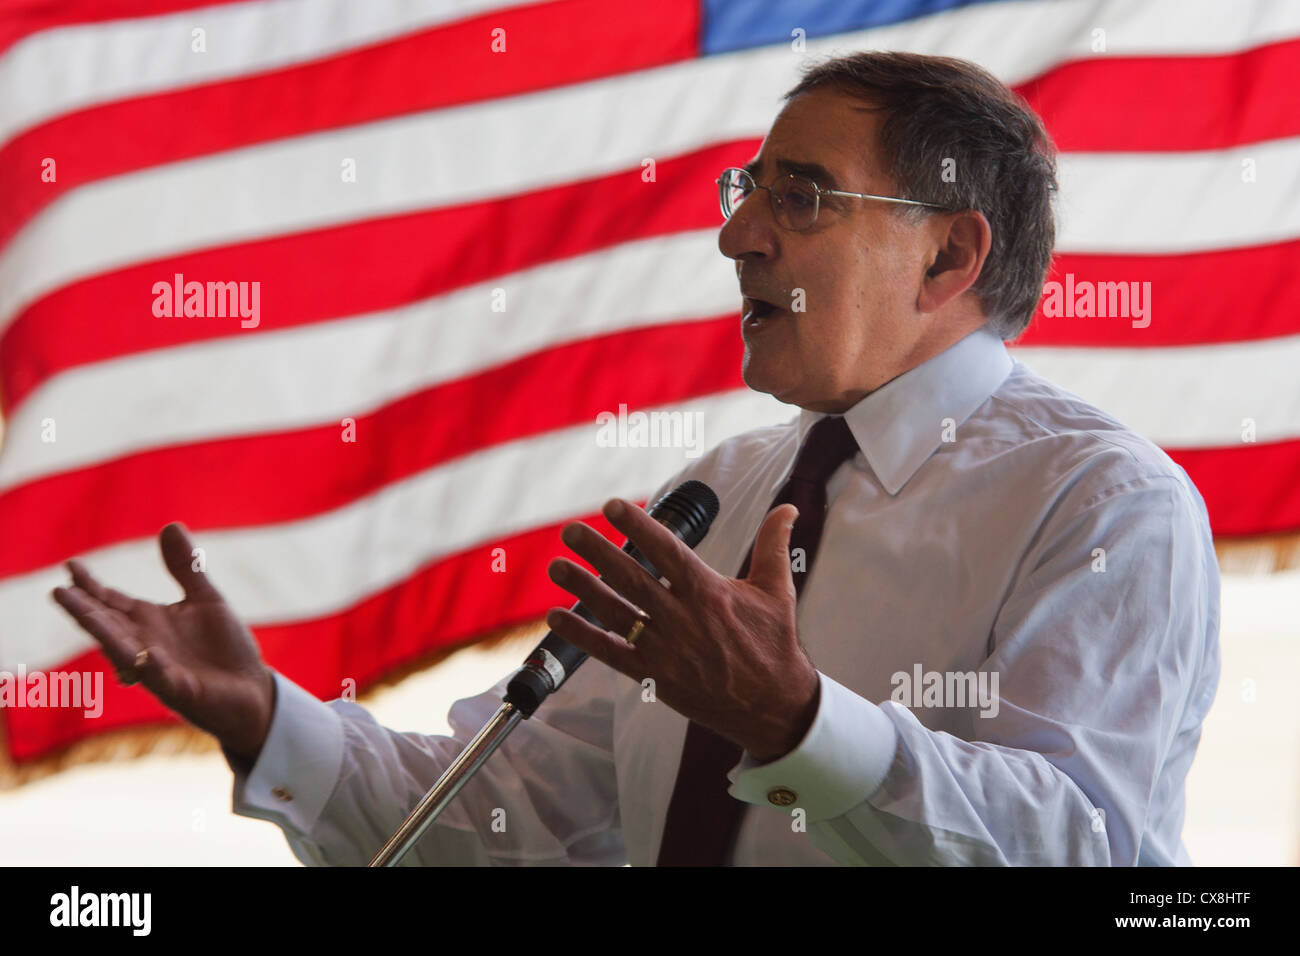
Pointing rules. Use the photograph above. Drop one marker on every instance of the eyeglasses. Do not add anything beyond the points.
(795, 199)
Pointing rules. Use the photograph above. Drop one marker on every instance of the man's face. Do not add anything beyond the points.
(859, 266)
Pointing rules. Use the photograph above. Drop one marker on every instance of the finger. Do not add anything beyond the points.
(668, 553)
(178, 555)
(610, 609)
(618, 569)
(770, 567)
(111, 597)
(605, 647)
(103, 624)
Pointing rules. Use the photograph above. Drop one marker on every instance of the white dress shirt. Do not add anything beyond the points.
(991, 522)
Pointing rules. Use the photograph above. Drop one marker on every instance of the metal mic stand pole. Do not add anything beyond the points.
(444, 791)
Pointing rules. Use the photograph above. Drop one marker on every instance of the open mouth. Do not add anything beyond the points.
(757, 311)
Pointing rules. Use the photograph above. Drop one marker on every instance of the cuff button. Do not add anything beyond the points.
(781, 796)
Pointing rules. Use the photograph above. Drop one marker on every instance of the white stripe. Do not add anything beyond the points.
(59, 70)
(325, 371)
(320, 373)
(1189, 396)
(1120, 202)
(70, 68)
(330, 562)
(1169, 203)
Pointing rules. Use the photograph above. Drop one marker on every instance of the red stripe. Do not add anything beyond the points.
(353, 268)
(1228, 295)
(1170, 103)
(440, 606)
(553, 44)
(291, 475)
(1249, 489)
(18, 21)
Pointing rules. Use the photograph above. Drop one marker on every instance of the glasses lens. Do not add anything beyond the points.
(733, 187)
(795, 199)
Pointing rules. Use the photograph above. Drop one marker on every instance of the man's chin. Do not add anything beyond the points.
(760, 381)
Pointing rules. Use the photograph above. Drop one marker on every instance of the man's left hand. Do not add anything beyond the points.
(723, 652)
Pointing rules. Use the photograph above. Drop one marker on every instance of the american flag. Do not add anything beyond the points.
(347, 286)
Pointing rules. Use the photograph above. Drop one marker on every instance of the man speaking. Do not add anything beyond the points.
(948, 614)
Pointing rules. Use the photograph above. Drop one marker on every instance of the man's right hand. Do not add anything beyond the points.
(202, 661)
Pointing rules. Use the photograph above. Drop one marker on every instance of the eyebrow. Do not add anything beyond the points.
(814, 171)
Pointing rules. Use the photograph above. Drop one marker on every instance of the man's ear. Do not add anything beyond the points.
(962, 242)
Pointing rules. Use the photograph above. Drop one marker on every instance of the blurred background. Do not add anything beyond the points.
(346, 288)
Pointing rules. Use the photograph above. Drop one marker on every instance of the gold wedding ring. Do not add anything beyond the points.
(637, 628)
(131, 675)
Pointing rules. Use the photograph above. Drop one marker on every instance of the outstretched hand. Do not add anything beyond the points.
(723, 652)
(195, 656)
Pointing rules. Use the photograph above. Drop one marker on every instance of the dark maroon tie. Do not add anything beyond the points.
(703, 818)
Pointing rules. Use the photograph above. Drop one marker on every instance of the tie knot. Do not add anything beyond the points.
(828, 445)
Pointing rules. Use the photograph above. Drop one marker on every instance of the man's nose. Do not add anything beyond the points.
(751, 231)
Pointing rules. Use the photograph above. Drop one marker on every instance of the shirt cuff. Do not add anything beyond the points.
(841, 761)
(298, 767)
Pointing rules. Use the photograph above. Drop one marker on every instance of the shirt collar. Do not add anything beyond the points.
(900, 424)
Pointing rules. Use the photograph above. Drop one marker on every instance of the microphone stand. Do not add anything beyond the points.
(475, 754)
(687, 511)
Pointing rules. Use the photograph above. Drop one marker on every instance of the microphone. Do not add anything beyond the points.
(687, 511)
